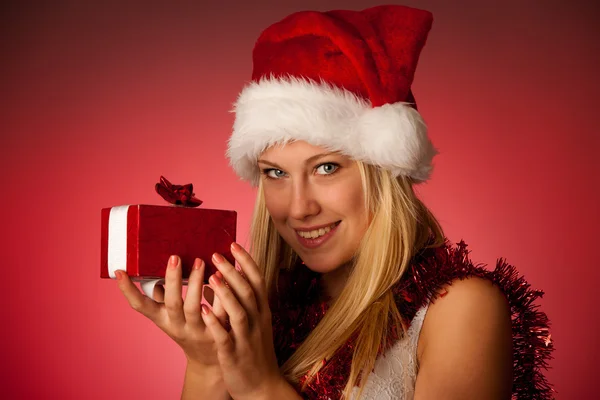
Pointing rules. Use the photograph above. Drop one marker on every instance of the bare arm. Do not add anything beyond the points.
(203, 383)
(465, 348)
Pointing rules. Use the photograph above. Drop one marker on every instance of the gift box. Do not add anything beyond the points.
(139, 239)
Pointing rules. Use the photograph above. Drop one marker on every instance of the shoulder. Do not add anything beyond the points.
(465, 344)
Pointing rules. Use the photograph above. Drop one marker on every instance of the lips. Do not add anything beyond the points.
(311, 228)
(324, 234)
(316, 232)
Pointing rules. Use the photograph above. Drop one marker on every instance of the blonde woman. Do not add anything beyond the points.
(349, 289)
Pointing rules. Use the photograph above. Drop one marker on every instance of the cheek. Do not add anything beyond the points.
(276, 206)
(350, 200)
(355, 201)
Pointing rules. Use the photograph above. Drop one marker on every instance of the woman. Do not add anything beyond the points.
(351, 289)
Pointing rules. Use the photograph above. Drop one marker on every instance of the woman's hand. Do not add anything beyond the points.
(245, 353)
(180, 320)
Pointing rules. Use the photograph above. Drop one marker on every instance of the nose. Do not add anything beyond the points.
(303, 203)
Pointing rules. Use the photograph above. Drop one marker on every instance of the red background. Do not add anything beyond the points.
(99, 100)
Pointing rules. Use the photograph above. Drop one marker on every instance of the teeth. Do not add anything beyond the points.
(316, 233)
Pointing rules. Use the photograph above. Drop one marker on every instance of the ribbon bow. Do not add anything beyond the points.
(180, 195)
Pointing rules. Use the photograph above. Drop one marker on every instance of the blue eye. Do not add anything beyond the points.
(327, 168)
(273, 173)
(322, 169)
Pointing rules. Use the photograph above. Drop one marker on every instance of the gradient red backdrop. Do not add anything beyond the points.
(99, 99)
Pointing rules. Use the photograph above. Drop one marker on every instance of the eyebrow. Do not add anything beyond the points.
(308, 160)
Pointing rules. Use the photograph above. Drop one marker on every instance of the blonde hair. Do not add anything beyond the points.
(400, 225)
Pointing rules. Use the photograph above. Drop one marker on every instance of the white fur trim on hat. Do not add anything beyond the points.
(280, 110)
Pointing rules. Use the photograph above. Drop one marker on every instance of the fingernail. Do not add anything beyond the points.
(204, 310)
(197, 264)
(118, 275)
(173, 261)
(235, 247)
(217, 258)
(216, 280)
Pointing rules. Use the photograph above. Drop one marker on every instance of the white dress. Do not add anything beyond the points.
(395, 372)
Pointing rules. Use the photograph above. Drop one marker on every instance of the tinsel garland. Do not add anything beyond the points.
(300, 308)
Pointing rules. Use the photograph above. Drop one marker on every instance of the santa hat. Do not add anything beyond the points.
(340, 80)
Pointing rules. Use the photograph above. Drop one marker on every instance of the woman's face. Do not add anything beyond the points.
(315, 199)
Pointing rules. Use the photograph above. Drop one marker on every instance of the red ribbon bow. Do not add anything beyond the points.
(180, 195)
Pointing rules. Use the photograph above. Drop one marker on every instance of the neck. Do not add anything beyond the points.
(333, 282)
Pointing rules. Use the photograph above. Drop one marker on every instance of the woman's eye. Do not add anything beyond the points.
(274, 173)
(327, 168)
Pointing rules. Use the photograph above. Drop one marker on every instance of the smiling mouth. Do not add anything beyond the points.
(317, 233)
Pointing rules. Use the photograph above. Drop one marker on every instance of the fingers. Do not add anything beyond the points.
(253, 275)
(238, 317)
(191, 306)
(173, 300)
(136, 299)
(223, 340)
(242, 289)
(217, 305)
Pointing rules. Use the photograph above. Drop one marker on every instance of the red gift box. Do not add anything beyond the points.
(140, 238)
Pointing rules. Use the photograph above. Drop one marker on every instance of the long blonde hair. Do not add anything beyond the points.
(400, 225)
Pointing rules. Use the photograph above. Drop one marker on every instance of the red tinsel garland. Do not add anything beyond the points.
(297, 314)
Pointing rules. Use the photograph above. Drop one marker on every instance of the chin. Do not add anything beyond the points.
(319, 268)
(323, 266)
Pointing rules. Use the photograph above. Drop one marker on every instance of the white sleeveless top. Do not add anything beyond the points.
(395, 372)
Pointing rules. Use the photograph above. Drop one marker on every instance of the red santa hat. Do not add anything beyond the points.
(340, 80)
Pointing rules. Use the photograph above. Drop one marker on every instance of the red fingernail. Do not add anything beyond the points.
(205, 310)
(217, 258)
(235, 247)
(216, 280)
(219, 274)
(197, 264)
(173, 261)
